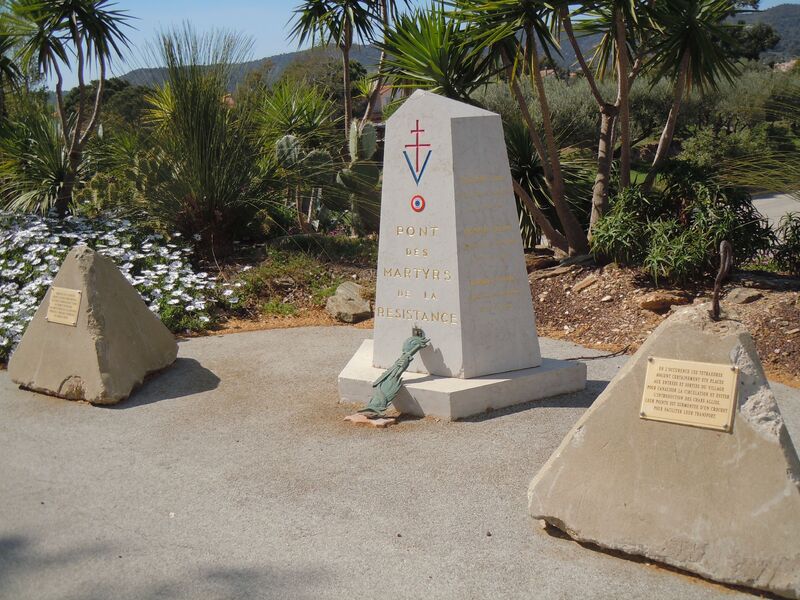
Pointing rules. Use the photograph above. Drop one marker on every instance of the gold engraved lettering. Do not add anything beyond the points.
(416, 315)
(63, 306)
(690, 393)
(417, 231)
(424, 273)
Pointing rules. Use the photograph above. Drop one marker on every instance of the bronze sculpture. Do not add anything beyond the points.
(389, 383)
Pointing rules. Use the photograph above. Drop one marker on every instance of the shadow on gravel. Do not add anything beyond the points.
(184, 377)
(20, 558)
(30, 568)
(233, 584)
(584, 399)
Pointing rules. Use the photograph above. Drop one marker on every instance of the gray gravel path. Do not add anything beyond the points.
(232, 476)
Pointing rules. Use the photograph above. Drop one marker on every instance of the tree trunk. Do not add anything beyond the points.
(623, 101)
(301, 216)
(3, 109)
(556, 240)
(669, 128)
(64, 197)
(348, 91)
(376, 93)
(578, 243)
(532, 133)
(587, 72)
(605, 153)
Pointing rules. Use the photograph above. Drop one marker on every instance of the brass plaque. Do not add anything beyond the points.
(64, 306)
(690, 393)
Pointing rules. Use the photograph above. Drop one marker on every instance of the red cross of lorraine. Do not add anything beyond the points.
(417, 145)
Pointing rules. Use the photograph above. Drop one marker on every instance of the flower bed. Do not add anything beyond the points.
(32, 249)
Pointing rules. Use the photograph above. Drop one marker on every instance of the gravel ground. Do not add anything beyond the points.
(232, 475)
(607, 314)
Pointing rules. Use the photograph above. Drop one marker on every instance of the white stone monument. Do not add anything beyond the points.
(451, 263)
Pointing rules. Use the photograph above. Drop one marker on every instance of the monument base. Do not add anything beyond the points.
(452, 398)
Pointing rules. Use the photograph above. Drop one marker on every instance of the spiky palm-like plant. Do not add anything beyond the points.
(33, 159)
(341, 22)
(68, 34)
(690, 49)
(203, 151)
(431, 50)
(301, 110)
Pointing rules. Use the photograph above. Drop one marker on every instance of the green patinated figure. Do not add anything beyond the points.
(387, 385)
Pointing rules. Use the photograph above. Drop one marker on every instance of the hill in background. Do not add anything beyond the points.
(366, 55)
(784, 18)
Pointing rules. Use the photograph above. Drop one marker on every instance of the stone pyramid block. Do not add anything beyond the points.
(92, 338)
(723, 505)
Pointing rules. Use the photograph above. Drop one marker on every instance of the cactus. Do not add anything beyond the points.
(364, 143)
(361, 179)
(287, 150)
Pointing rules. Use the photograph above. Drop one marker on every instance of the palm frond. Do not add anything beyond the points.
(433, 50)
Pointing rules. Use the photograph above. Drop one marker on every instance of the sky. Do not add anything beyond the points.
(264, 21)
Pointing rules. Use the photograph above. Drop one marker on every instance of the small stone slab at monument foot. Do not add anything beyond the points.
(93, 337)
(377, 422)
(348, 304)
(722, 502)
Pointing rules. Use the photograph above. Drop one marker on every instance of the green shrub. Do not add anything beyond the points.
(278, 308)
(622, 235)
(674, 234)
(574, 112)
(708, 148)
(787, 252)
(675, 253)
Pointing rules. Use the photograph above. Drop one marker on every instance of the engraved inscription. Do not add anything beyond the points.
(690, 393)
(64, 305)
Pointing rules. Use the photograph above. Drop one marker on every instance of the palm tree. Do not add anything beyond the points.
(690, 50)
(384, 10)
(90, 32)
(513, 32)
(622, 25)
(340, 22)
